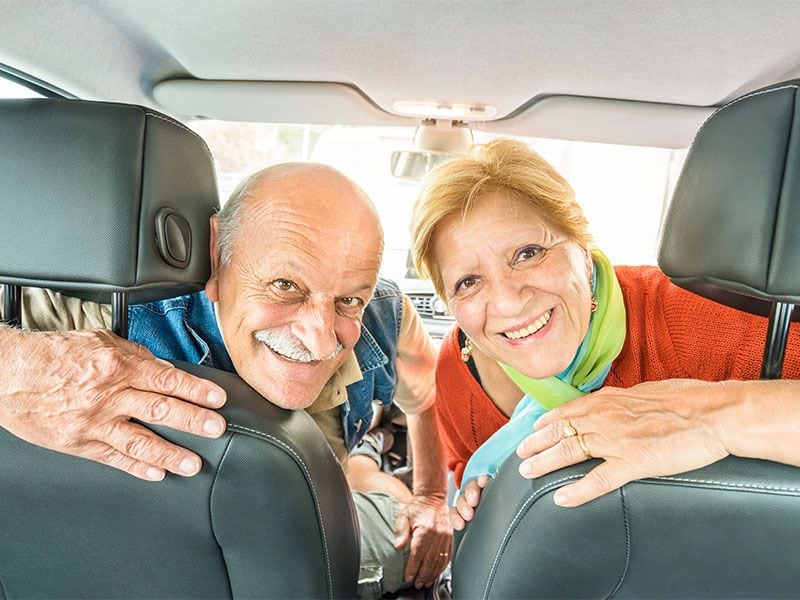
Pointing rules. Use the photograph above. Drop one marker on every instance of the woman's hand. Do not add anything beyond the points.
(466, 502)
(651, 429)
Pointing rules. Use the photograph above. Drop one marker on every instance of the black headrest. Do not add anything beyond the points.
(731, 230)
(98, 197)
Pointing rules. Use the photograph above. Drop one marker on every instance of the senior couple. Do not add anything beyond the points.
(552, 351)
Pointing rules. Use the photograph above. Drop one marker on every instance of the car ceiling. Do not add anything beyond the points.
(512, 55)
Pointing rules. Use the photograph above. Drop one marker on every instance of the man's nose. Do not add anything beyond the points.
(314, 327)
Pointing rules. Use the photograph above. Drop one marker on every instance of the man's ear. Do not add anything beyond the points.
(212, 285)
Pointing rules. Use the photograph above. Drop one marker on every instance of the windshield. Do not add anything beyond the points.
(624, 190)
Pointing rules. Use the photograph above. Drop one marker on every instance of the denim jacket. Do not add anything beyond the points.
(185, 328)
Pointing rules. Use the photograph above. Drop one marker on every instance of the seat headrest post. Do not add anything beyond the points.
(12, 305)
(777, 332)
(119, 314)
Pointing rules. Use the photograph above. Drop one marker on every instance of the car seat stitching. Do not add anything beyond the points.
(513, 525)
(627, 544)
(536, 494)
(182, 126)
(746, 486)
(313, 493)
(721, 108)
(211, 512)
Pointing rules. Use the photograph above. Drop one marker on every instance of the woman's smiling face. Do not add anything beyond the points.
(518, 287)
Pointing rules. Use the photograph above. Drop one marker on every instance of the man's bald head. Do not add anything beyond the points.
(305, 189)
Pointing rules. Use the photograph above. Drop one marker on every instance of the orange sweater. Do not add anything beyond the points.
(672, 333)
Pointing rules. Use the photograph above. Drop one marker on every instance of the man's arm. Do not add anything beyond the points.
(663, 428)
(75, 392)
(424, 521)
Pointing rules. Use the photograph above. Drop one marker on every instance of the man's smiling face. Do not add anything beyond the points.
(303, 265)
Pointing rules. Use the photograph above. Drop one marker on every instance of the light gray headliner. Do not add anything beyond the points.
(503, 53)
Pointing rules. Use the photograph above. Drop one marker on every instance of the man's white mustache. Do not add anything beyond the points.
(282, 341)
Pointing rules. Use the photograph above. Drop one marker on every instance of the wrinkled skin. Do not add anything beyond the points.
(76, 392)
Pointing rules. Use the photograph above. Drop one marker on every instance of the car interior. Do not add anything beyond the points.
(124, 124)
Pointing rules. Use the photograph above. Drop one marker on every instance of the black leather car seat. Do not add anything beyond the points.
(729, 530)
(100, 199)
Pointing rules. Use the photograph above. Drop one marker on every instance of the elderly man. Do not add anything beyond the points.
(295, 307)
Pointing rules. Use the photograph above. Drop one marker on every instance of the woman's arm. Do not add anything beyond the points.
(664, 428)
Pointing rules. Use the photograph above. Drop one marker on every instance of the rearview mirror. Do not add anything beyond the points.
(414, 164)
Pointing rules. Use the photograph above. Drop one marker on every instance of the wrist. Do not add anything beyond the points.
(730, 415)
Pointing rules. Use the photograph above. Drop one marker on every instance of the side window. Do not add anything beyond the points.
(12, 89)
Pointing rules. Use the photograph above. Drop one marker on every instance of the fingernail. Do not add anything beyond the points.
(526, 470)
(560, 498)
(154, 474)
(213, 427)
(189, 466)
(215, 398)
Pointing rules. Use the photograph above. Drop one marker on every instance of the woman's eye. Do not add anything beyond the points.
(284, 285)
(527, 253)
(465, 283)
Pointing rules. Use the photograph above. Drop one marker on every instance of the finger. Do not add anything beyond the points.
(464, 509)
(427, 572)
(440, 558)
(164, 378)
(425, 552)
(402, 530)
(139, 443)
(472, 493)
(413, 562)
(456, 520)
(171, 412)
(604, 478)
(563, 454)
(542, 439)
(107, 455)
(483, 481)
(551, 416)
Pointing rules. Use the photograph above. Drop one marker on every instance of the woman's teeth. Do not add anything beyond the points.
(530, 329)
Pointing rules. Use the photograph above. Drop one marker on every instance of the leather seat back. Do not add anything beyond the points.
(99, 198)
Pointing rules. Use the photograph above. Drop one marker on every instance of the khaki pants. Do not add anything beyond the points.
(382, 564)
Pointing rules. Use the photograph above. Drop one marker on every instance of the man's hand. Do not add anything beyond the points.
(76, 392)
(424, 523)
(467, 502)
(651, 429)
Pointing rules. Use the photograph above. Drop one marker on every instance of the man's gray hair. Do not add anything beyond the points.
(229, 219)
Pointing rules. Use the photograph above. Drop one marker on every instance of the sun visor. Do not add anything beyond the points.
(101, 197)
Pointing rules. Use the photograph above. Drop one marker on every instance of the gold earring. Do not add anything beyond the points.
(466, 350)
(594, 303)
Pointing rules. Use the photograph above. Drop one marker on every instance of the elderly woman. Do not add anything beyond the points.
(561, 357)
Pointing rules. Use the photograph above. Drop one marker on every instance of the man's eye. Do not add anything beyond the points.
(351, 302)
(527, 253)
(284, 285)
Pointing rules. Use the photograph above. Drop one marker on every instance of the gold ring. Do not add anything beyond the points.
(569, 430)
(443, 553)
(584, 447)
